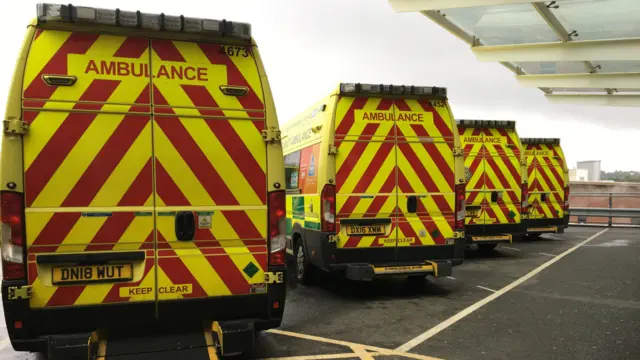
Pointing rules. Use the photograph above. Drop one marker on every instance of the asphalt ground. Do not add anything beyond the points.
(566, 296)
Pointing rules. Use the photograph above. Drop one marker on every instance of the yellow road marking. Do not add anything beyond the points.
(382, 351)
(321, 357)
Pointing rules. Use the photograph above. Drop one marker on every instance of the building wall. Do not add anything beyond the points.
(593, 167)
(578, 175)
(631, 200)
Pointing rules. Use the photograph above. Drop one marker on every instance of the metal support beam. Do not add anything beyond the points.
(589, 50)
(594, 99)
(591, 81)
(424, 5)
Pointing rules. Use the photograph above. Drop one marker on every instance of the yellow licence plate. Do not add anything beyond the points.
(363, 230)
(92, 273)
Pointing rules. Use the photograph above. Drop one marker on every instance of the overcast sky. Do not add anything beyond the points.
(310, 46)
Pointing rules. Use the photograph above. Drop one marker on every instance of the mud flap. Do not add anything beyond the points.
(233, 338)
(71, 346)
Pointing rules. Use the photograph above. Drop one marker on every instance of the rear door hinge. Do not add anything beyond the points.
(333, 150)
(458, 152)
(334, 238)
(19, 292)
(271, 133)
(271, 277)
(15, 127)
(458, 234)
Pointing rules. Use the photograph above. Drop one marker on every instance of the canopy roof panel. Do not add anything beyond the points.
(563, 47)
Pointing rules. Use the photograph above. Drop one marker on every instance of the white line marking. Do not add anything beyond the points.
(547, 254)
(457, 317)
(510, 248)
(486, 288)
(451, 277)
(382, 351)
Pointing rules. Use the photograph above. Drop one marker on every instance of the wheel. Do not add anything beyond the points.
(487, 247)
(304, 271)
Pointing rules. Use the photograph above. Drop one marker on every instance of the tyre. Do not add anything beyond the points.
(487, 247)
(304, 270)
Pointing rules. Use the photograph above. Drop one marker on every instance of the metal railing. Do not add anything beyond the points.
(610, 212)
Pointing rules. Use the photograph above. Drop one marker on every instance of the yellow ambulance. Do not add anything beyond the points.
(142, 177)
(496, 181)
(548, 186)
(375, 184)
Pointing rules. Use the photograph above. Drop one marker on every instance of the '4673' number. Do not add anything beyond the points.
(235, 51)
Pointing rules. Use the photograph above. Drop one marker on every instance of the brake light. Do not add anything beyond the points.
(277, 227)
(12, 235)
(524, 203)
(566, 198)
(460, 206)
(328, 198)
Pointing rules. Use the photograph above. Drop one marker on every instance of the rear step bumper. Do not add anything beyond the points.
(492, 234)
(368, 272)
(40, 326)
(546, 226)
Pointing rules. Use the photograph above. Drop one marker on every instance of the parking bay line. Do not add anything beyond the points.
(348, 344)
(457, 317)
(510, 248)
(486, 288)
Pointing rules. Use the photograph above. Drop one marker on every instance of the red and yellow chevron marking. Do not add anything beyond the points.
(380, 163)
(546, 169)
(109, 69)
(200, 94)
(99, 173)
(494, 166)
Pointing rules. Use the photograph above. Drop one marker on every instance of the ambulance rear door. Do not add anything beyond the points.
(366, 177)
(425, 173)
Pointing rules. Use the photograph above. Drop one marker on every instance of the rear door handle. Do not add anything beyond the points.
(59, 80)
(185, 225)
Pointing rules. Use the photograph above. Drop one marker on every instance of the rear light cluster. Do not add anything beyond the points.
(137, 19)
(460, 207)
(12, 235)
(328, 198)
(277, 227)
(525, 198)
(566, 198)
